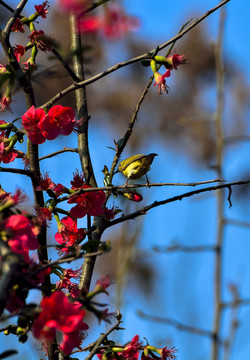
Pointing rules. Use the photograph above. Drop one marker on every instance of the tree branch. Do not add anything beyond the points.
(75, 86)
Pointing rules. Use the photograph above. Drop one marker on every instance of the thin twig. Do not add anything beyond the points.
(144, 210)
(132, 187)
(62, 260)
(183, 248)
(235, 222)
(58, 152)
(176, 324)
(101, 339)
(131, 61)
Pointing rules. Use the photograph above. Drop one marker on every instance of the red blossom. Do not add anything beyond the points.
(131, 350)
(113, 24)
(5, 103)
(41, 41)
(167, 353)
(45, 183)
(90, 203)
(31, 120)
(59, 120)
(69, 234)
(176, 60)
(109, 214)
(59, 189)
(103, 283)
(78, 180)
(42, 10)
(12, 200)
(19, 51)
(66, 318)
(44, 214)
(161, 82)
(8, 155)
(18, 26)
(21, 234)
(66, 283)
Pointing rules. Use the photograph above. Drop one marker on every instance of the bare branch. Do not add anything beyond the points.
(178, 325)
(58, 152)
(144, 210)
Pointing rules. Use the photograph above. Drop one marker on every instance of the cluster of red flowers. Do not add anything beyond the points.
(131, 352)
(41, 126)
(113, 23)
(67, 318)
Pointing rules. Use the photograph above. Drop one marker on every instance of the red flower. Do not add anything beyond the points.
(69, 234)
(13, 200)
(18, 26)
(5, 103)
(66, 318)
(21, 235)
(31, 120)
(131, 350)
(42, 9)
(41, 41)
(176, 60)
(19, 51)
(90, 203)
(78, 180)
(59, 189)
(59, 120)
(114, 24)
(44, 214)
(45, 183)
(8, 155)
(117, 23)
(167, 353)
(66, 283)
(161, 82)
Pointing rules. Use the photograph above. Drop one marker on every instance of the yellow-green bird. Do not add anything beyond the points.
(136, 166)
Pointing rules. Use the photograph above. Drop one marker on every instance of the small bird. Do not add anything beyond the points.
(136, 166)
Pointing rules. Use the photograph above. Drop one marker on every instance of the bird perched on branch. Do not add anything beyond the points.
(136, 166)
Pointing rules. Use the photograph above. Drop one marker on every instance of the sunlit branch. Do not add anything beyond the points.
(144, 210)
(132, 187)
(58, 152)
(131, 61)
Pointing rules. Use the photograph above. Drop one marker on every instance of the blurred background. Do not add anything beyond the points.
(164, 266)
